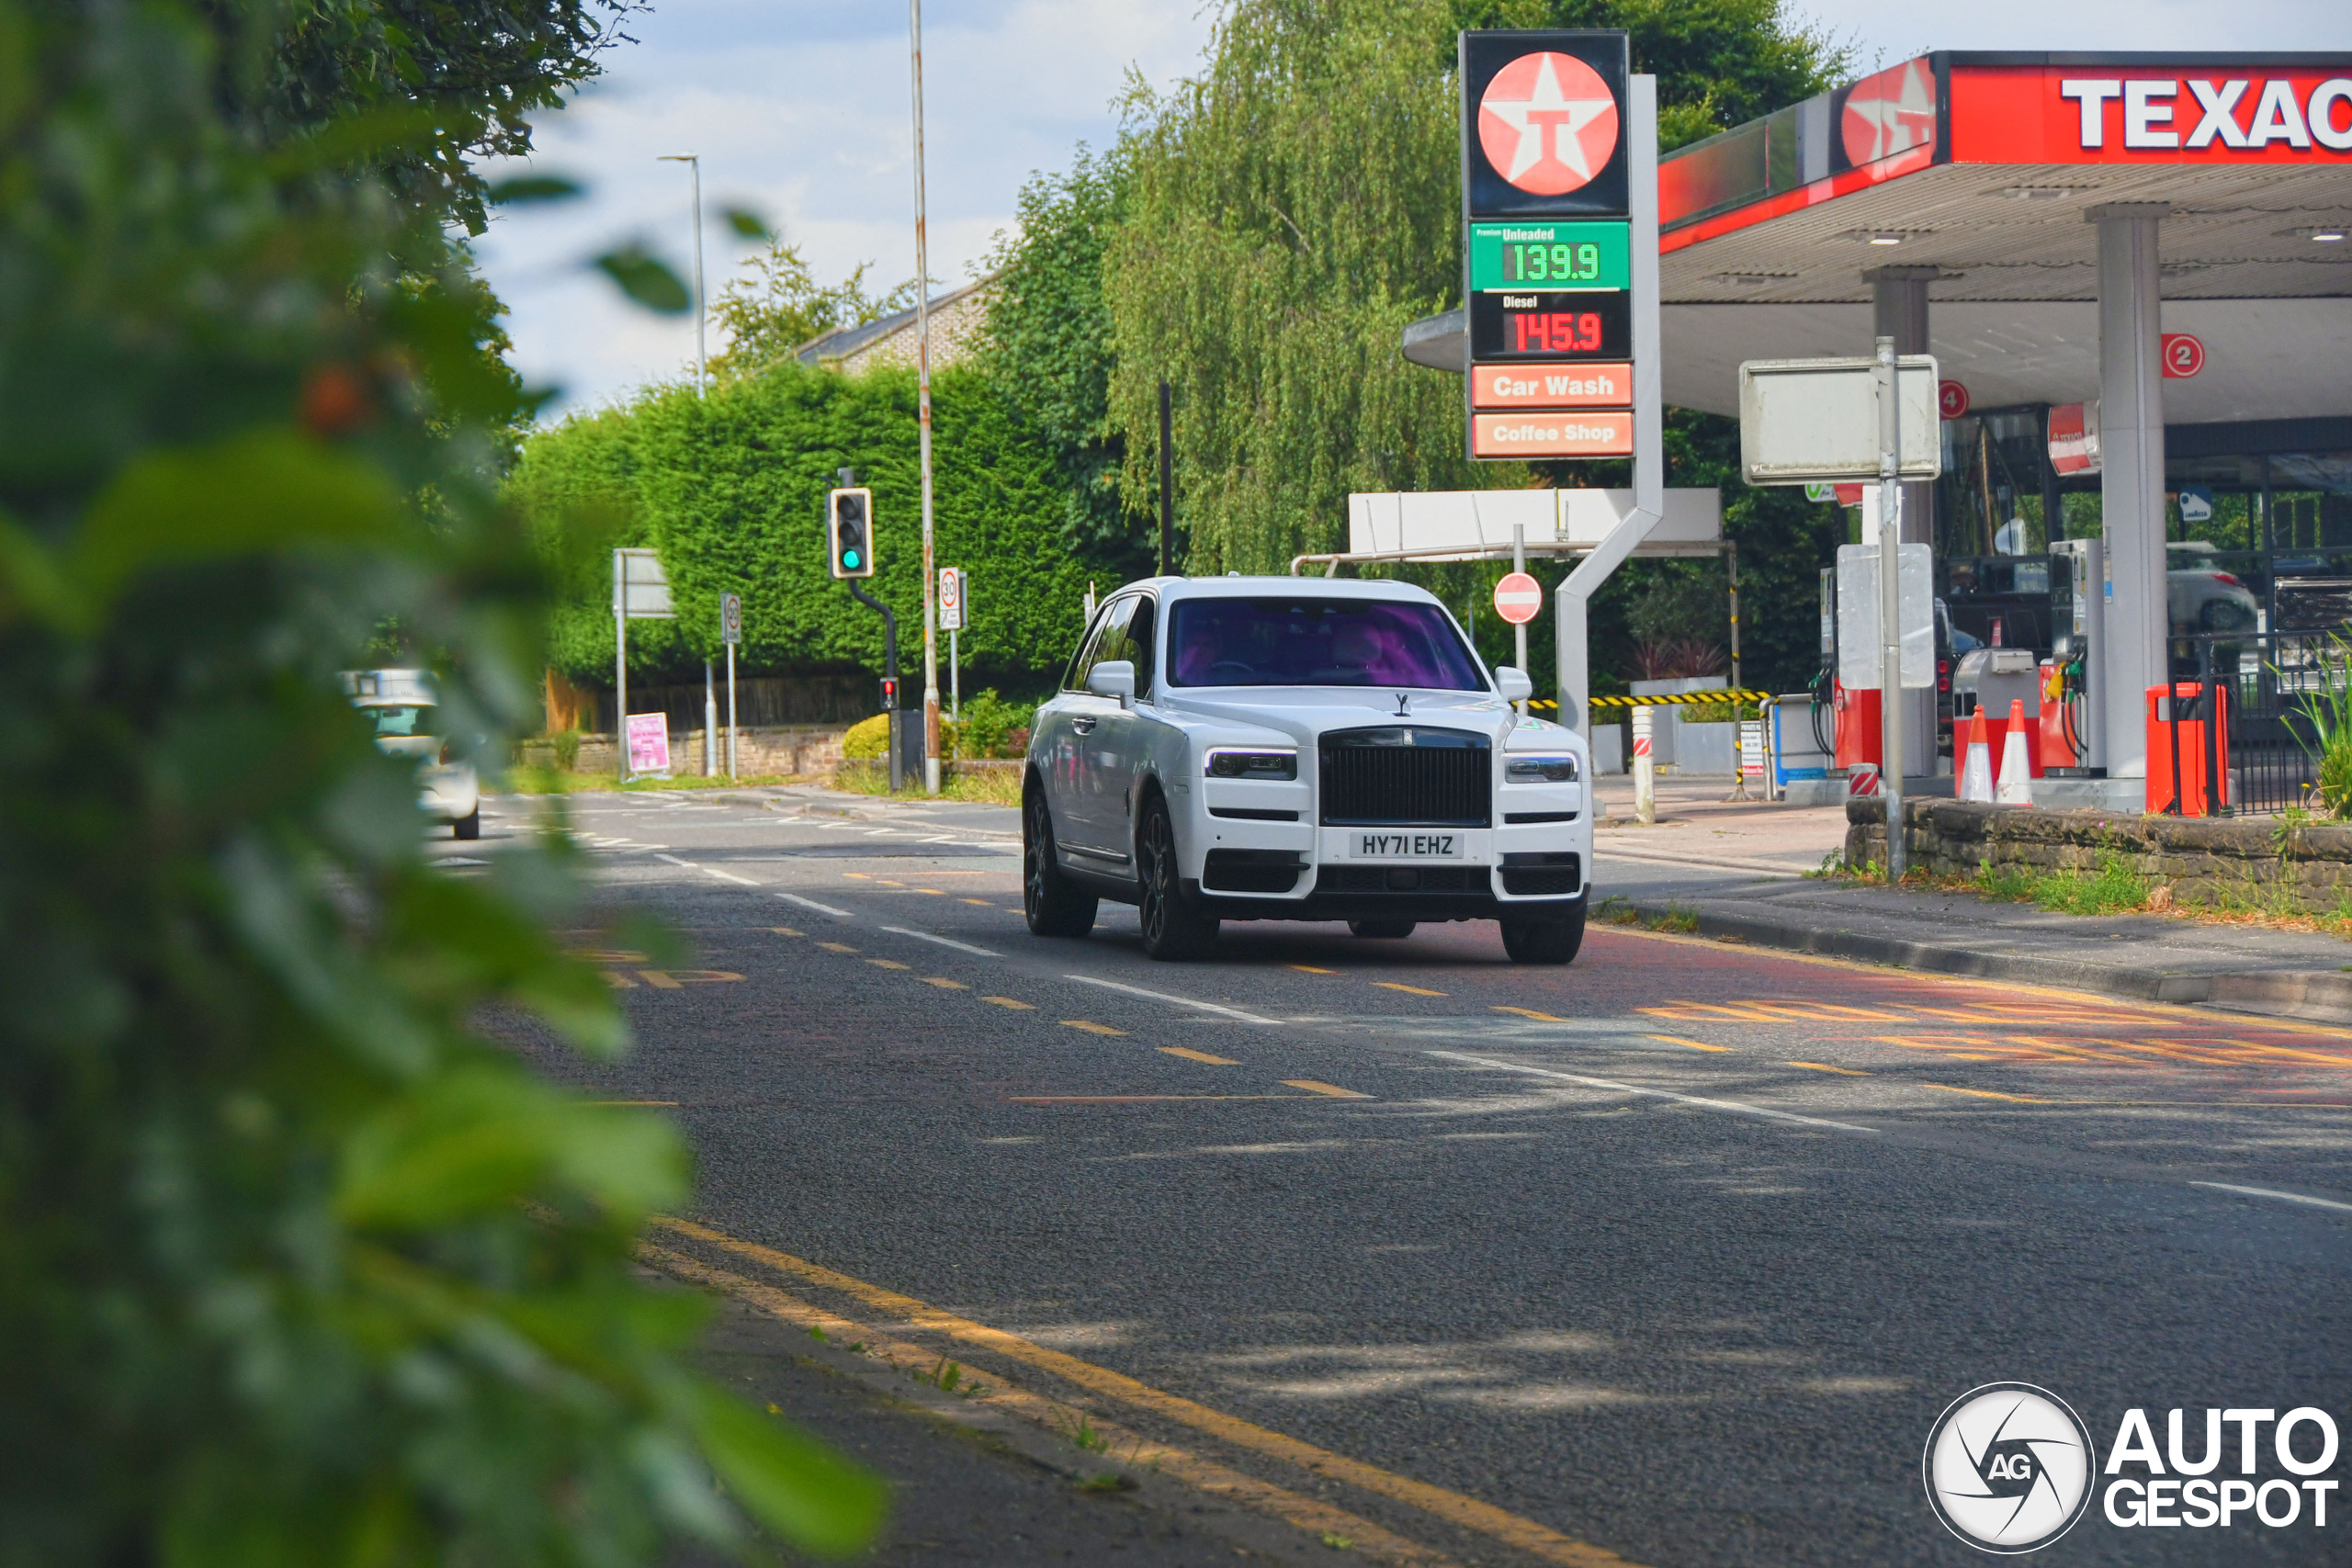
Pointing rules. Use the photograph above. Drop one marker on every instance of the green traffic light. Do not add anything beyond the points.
(849, 559)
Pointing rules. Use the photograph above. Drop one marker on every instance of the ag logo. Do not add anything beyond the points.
(2008, 1467)
(1547, 123)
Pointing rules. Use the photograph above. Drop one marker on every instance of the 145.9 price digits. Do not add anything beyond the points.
(1555, 332)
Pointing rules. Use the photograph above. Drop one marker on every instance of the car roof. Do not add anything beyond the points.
(1283, 587)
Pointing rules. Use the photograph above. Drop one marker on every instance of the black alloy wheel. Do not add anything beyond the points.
(1053, 903)
(1549, 940)
(1383, 930)
(1171, 929)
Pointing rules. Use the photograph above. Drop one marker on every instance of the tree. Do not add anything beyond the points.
(776, 304)
(1049, 351)
(302, 1268)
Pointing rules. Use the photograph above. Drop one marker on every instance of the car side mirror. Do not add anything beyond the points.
(1513, 684)
(1113, 678)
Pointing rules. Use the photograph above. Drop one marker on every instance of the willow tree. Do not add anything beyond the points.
(1294, 206)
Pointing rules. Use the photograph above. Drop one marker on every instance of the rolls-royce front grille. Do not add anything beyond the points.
(1407, 776)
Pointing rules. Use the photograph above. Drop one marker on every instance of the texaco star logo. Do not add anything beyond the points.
(1889, 113)
(1547, 123)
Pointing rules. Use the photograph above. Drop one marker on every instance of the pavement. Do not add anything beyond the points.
(1672, 1256)
(1739, 869)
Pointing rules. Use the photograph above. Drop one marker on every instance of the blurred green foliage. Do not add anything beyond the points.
(302, 1269)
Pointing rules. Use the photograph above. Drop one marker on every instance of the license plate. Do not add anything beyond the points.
(1408, 846)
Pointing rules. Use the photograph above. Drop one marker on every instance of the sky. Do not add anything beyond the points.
(800, 110)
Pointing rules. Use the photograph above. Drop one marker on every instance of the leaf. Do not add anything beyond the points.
(747, 223)
(263, 493)
(786, 1482)
(645, 279)
(533, 188)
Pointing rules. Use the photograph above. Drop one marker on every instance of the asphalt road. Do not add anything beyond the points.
(1678, 1251)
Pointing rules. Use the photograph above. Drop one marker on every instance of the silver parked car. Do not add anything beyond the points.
(1287, 748)
(405, 712)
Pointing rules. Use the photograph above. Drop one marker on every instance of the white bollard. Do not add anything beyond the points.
(1644, 770)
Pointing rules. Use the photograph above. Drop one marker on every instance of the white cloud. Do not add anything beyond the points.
(1884, 34)
(801, 112)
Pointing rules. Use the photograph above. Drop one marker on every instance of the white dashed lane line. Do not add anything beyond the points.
(1735, 1107)
(943, 942)
(2281, 1197)
(1185, 1002)
(812, 903)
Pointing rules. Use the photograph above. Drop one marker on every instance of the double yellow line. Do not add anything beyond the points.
(1540, 1541)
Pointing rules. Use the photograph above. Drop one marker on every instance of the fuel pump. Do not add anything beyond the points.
(2072, 690)
(1824, 687)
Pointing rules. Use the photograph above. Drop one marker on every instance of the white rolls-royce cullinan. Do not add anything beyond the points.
(1287, 748)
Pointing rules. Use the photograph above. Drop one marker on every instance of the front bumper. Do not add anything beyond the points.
(448, 792)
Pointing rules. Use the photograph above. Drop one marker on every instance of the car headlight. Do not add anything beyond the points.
(1540, 770)
(1237, 763)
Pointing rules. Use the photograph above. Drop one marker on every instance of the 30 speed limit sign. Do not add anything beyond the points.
(951, 598)
(730, 617)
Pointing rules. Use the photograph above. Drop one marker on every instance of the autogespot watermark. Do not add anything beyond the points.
(2009, 1468)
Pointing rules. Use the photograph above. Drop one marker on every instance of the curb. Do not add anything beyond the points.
(2318, 995)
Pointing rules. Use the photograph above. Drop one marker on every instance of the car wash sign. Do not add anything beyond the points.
(1546, 255)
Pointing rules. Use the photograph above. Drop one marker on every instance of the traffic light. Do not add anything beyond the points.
(890, 694)
(849, 531)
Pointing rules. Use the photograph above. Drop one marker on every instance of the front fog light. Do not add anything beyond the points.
(1540, 770)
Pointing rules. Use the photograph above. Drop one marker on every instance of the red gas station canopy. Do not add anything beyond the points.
(1982, 169)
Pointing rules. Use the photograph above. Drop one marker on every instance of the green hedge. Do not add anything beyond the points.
(730, 490)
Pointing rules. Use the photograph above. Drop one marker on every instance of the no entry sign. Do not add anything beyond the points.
(1518, 597)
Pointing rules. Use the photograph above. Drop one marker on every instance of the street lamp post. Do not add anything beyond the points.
(922, 406)
(693, 161)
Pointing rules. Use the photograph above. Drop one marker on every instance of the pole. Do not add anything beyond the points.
(621, 662)
(955, 681)
(1167, 488)
(1649, 456)
(709, 724)
(1519, 632)
(702, 307)
(732, 735)
(1645, 768)
(922, 405)
(1731, 558)
(890, 669)
(1890, 605)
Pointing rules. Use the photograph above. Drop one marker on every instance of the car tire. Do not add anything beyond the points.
(1053, 903)
(1172, 930)
(468, 825)
(1550, 939)
(1386, 930)
(2223, 616)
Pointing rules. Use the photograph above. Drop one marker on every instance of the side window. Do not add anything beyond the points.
(1139, 638)
(1109, 630)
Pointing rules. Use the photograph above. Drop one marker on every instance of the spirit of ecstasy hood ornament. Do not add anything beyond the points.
(1404, 705)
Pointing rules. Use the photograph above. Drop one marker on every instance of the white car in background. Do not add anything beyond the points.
(1288, 749)
(2201, 596)
(402, 705)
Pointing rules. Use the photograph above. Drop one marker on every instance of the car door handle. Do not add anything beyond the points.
(1084, 725)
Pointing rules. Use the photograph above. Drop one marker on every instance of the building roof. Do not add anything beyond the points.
(850, 345)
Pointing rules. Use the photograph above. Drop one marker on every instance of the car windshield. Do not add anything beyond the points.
(1318, 642)
(403, 719)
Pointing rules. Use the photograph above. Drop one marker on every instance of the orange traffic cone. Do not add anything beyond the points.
(1976, 771)
(2016, 787)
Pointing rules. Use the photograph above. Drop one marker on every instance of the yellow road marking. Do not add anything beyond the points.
(1469, 1513)
(1416, 990)
(1128, 1099)
(886, 882)
(1334, 1090)
(1530, 1012)
(946, 985)
(869, 876)
(986, 905)
(1309, 1514)
(1009, 1002)
(610, 1102)
(1310, 969)
(1694, 1044)
(1091, 1027)
(885, 963)
(788, 930)
(1826, 1067)
(1988, 1094)
(934, 892)
(677, 979)
(838, 947)
(1191, 1055)
(606, 954)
